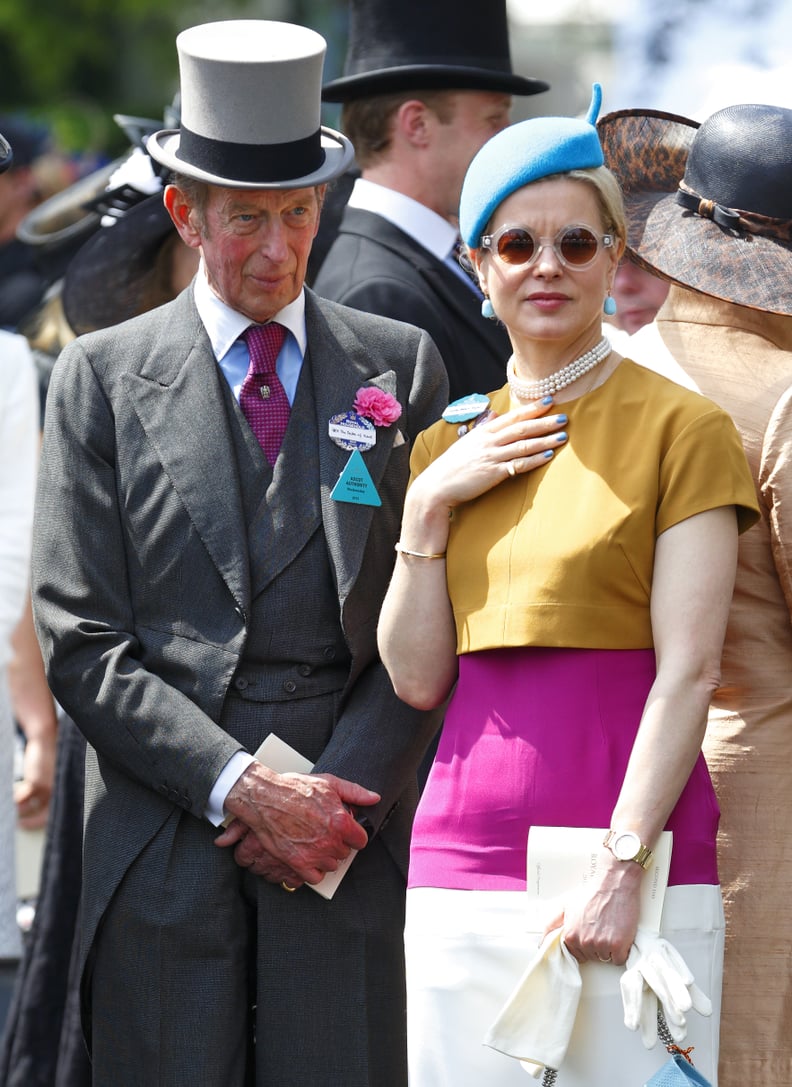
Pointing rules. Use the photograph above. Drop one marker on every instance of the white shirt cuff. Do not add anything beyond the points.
(229, 776)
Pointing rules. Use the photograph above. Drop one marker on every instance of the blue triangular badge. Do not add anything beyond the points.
(355, 484)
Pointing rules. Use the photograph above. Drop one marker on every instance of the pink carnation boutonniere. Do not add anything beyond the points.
(377, 405)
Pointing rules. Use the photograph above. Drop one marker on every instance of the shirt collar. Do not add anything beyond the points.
(422, 224)
(225, 325)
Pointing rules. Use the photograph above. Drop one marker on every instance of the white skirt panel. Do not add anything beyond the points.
(466, 951)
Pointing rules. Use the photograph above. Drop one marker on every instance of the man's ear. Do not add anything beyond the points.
(183, 214)
(413, 119)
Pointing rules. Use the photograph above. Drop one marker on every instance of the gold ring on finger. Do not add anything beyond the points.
(287, 887)
(511, 468)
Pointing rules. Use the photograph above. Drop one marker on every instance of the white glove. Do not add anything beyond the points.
(535, 1024)
(656, 971)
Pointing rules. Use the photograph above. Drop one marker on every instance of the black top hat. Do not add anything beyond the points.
(412, 45)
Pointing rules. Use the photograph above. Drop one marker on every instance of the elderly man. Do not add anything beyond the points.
(424, 87)
(219, 501)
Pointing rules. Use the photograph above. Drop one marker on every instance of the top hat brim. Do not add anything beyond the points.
(428, 77)
(338, 155)
(647, 151)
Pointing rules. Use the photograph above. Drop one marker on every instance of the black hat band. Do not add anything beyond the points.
(734, 218)
(378, 60)
(252, 163)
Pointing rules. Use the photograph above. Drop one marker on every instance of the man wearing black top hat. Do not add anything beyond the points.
(425, 85)
(219, 500)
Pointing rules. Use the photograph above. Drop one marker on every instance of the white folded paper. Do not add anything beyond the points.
(562, 859)
(283, 759)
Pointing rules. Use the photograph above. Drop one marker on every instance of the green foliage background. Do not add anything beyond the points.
(72, 64)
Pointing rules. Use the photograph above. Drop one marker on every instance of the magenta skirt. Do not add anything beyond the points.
(542, 736)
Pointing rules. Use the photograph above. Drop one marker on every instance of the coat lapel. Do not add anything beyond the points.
(340, 365)
(461, 302)
(178, 400)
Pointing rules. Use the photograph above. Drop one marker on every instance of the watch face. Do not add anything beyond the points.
(626, 845)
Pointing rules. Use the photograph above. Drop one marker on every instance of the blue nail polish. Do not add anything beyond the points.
(548, 400)
(561, 437)
(561, 419)
(547, 454)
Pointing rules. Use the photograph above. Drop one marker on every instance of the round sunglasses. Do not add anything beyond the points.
(575, 246)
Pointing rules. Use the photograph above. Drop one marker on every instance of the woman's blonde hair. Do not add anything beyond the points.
(609, 197)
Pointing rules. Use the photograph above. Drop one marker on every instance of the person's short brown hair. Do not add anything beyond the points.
(368, 122)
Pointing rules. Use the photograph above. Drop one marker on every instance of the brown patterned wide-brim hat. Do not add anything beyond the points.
(709, 206)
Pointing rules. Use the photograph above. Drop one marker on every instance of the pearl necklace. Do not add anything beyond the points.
(535, 390)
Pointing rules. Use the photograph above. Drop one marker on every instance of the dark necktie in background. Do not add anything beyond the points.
(262, 397)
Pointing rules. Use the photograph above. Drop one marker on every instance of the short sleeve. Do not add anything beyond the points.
(705, 467)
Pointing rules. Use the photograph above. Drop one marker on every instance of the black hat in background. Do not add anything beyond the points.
(105, 279)
(402, 45)
(709, 206)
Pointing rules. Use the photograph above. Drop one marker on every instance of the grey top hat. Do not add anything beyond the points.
(709, 206)
(250, 108)
(412, 45)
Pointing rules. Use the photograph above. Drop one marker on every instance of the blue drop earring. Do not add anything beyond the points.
(609, 306)
(487, 310)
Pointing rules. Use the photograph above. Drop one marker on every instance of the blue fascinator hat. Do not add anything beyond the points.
(522, 153)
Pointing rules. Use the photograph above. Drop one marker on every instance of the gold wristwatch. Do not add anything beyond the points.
(625, 845)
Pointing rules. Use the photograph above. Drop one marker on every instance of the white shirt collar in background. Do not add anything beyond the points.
(422, 224)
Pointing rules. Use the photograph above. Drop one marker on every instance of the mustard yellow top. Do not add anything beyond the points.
(563, 555)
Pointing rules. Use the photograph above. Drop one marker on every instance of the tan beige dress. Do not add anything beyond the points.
(742, 359)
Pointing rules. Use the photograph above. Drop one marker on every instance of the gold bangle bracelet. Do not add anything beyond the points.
(399, 546)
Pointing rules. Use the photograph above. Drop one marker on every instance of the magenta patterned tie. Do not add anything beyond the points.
(262, 397)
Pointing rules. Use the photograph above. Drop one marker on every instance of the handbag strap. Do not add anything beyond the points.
(664, 1034)
(550, 1075)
